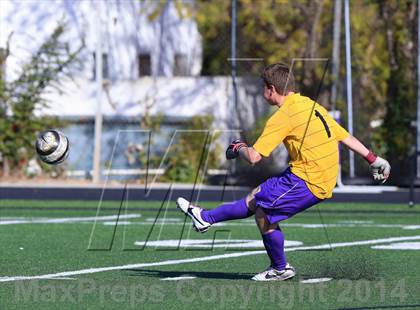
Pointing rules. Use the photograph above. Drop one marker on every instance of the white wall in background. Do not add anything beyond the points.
(173, 97)
(127, 32)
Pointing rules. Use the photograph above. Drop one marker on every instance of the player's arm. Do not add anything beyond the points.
(250, 155)
(239, 148)
(380, 167)
(355, 145)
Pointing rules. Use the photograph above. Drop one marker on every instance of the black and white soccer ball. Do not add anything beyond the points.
(52, 147)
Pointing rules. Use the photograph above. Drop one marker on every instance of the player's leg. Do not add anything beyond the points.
(280, 198)
(273, 239)
(235, 210)
(203, 219)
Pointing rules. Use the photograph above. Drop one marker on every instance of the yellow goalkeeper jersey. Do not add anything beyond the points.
(311, 138)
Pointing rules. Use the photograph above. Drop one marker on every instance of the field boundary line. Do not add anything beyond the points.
(62, 220)
(203, 258)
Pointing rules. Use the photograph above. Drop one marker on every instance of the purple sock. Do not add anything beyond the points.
(229, 211)
(274, 245)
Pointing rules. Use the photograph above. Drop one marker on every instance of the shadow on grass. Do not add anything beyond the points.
(360, 264)
(198, 274)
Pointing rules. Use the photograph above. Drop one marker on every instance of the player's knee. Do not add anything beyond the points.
(250, 203)
(250, 200)
(261, 220)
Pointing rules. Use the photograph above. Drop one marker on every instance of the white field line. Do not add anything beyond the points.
(318, 280)
(106, 221)
(69, 219)
(202, 259)
(399, 246)
(299, 225)
(61, 278)
(110, 221)
(212, 243)
(178, 278)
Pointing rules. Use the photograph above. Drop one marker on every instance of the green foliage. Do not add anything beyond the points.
(271, 30)
(152, 123)
(193, 149)
(383, 50)
(21, 99)
(401, 91)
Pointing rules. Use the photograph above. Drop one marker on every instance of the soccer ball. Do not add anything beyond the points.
(52, 147)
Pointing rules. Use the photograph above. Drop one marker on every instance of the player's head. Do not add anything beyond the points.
(278, 82)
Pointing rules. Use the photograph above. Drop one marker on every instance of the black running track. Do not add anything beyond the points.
(207, 194)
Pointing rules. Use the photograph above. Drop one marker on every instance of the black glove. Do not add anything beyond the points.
(232, 151)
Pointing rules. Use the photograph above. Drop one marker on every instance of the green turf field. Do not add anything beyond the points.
(368, 254)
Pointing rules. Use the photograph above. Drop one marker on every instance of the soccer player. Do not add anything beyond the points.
(311, 137)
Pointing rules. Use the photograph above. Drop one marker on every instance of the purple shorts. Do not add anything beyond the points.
(283, 196)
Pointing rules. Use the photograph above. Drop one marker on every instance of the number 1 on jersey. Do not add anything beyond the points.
(327, 129)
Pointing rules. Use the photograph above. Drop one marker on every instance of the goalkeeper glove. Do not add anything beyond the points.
(232, 151)
(379, 167)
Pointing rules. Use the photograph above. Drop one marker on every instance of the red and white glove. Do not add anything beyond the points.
(379, 167)
(232, 151)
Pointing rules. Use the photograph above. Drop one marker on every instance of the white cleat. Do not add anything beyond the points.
(194, 213)
(272, 274)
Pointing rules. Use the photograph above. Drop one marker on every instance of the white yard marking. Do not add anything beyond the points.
(61, 278)
(150, 221)
(318, 280)
(186, 277)
(399, 246)
(110, 221)
(130, 266)
(203, 258)
(348, 244)
(69, 219)
(412, 227)
(299, 225)
(356, 222)
(211, 243)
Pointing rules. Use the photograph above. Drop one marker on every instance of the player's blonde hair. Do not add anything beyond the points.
(280, 76)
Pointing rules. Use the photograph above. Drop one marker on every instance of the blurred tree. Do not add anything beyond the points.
(22, 98)
(272, 30)
(400, 23)
(383, 50)
(383, 56)
(195, 149)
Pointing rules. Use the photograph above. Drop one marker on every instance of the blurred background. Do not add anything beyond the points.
(120, 77)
